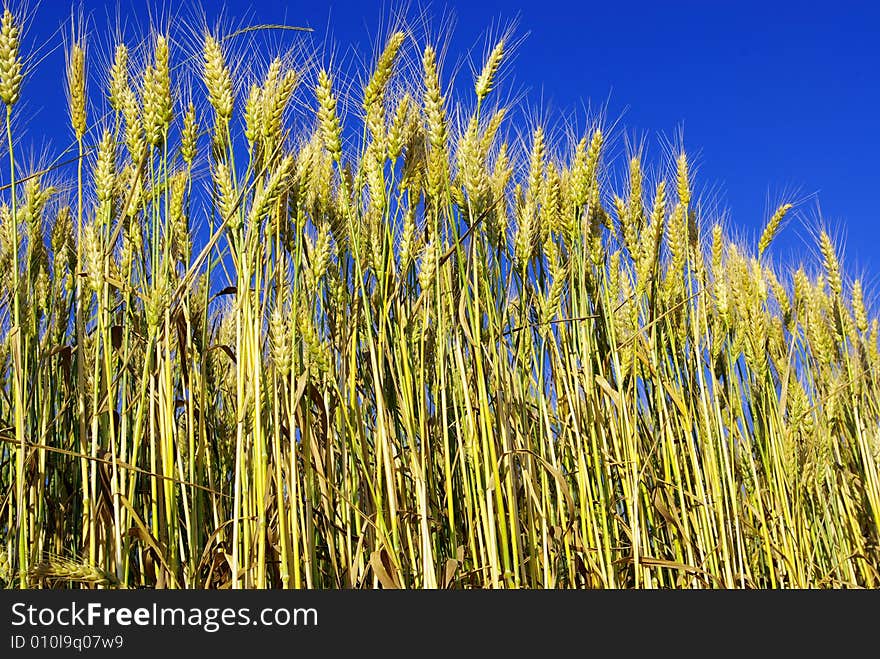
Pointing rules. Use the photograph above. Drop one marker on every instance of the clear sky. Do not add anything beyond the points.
(776, 100)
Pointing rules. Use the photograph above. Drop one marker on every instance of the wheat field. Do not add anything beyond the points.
(278, 325)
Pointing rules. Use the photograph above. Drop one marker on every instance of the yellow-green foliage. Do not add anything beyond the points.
(362, 345)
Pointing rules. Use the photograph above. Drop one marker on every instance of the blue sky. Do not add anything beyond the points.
(775, 100)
